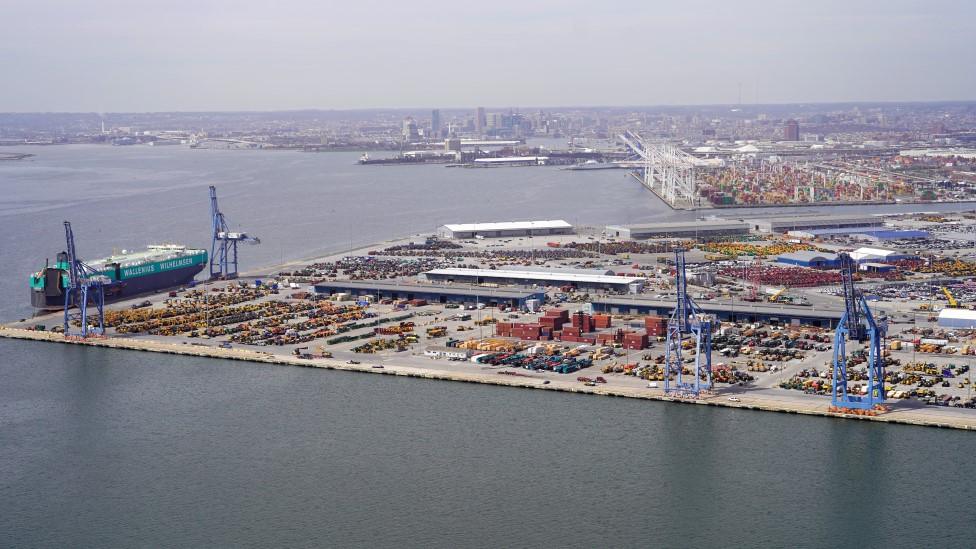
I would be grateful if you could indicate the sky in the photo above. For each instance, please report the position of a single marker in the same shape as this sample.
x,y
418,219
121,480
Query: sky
x,y
199,55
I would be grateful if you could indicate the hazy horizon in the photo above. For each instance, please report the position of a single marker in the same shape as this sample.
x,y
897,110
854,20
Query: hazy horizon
x,y
520,108
246,56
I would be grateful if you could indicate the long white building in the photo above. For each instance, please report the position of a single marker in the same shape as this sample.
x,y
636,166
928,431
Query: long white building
x,y
550,277
505,229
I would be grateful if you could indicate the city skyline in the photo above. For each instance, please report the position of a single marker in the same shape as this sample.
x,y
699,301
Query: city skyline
x,y
241,56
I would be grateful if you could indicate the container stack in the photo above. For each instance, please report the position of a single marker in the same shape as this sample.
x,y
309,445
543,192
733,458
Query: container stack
x,y
655,326
635,341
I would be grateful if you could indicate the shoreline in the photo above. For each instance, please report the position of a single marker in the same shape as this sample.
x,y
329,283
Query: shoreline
x,y
928,417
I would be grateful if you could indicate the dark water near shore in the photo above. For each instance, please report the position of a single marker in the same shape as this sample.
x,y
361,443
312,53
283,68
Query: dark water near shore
x,y
107,448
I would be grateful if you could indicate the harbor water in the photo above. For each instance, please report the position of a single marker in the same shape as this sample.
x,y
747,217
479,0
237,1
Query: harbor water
x,y
109,448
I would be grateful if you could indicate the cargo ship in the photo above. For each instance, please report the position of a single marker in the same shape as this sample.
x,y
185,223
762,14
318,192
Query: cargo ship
x,y
132,273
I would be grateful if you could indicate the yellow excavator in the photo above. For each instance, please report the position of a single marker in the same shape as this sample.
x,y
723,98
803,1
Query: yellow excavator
x,y
953,304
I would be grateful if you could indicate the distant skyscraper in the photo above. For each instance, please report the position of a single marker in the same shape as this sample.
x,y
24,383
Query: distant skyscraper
x,y
410,129
479,121
435,123
494,121
791,132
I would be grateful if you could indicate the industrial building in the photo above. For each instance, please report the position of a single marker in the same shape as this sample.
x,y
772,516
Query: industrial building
x,y
798,223
878,255
692,229
812,259
880,236
724,310
505,229
461,295
959,319
873,235
871,267
791,131
551,277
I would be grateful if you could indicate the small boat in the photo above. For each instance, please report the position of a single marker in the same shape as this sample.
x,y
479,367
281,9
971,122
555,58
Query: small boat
x,y
377,365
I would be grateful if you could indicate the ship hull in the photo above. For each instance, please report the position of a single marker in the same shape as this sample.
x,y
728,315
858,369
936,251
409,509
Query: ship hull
x,y
125,288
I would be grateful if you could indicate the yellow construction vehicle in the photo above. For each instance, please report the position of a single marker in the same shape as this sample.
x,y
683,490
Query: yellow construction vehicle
x,y
777,294
952,300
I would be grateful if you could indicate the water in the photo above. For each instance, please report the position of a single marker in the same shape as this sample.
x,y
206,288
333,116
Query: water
x,y
109,448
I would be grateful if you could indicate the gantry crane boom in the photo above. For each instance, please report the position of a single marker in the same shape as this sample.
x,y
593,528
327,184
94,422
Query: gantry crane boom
x,y
223,247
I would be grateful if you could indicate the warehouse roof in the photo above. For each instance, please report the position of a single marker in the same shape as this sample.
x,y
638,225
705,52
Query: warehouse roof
x,y
808,255
563,270
957,317
865,253
714,305
509,226
832,231
893,234
554,276
409,286
799,220
682,225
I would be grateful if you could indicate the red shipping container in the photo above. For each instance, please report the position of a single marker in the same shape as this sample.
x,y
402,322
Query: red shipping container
x,y
653,322
635,341
558,313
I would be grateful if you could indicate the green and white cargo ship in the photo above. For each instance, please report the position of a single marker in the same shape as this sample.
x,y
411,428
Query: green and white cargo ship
x,y
157,268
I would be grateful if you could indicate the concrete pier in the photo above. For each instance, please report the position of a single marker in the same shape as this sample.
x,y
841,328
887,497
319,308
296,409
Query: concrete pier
x,y
785,402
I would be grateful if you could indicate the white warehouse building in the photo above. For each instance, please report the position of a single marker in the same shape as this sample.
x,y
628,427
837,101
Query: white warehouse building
x,y
959,319
505,229
550,277
862,255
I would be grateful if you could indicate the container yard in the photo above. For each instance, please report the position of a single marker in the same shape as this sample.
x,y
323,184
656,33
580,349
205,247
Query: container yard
x,y
546,311
761,175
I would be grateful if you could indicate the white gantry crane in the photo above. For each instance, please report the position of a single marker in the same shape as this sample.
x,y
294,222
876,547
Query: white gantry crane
x,y
668,171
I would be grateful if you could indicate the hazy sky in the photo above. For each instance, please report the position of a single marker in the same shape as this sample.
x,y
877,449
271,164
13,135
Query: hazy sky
x,y
135,55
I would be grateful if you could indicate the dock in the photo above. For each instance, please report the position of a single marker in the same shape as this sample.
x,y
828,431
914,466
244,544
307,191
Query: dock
x,y
782,403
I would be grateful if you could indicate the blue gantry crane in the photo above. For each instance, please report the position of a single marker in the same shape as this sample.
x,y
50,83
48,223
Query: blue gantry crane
x,y
86,287
223,248
687,319
857,324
